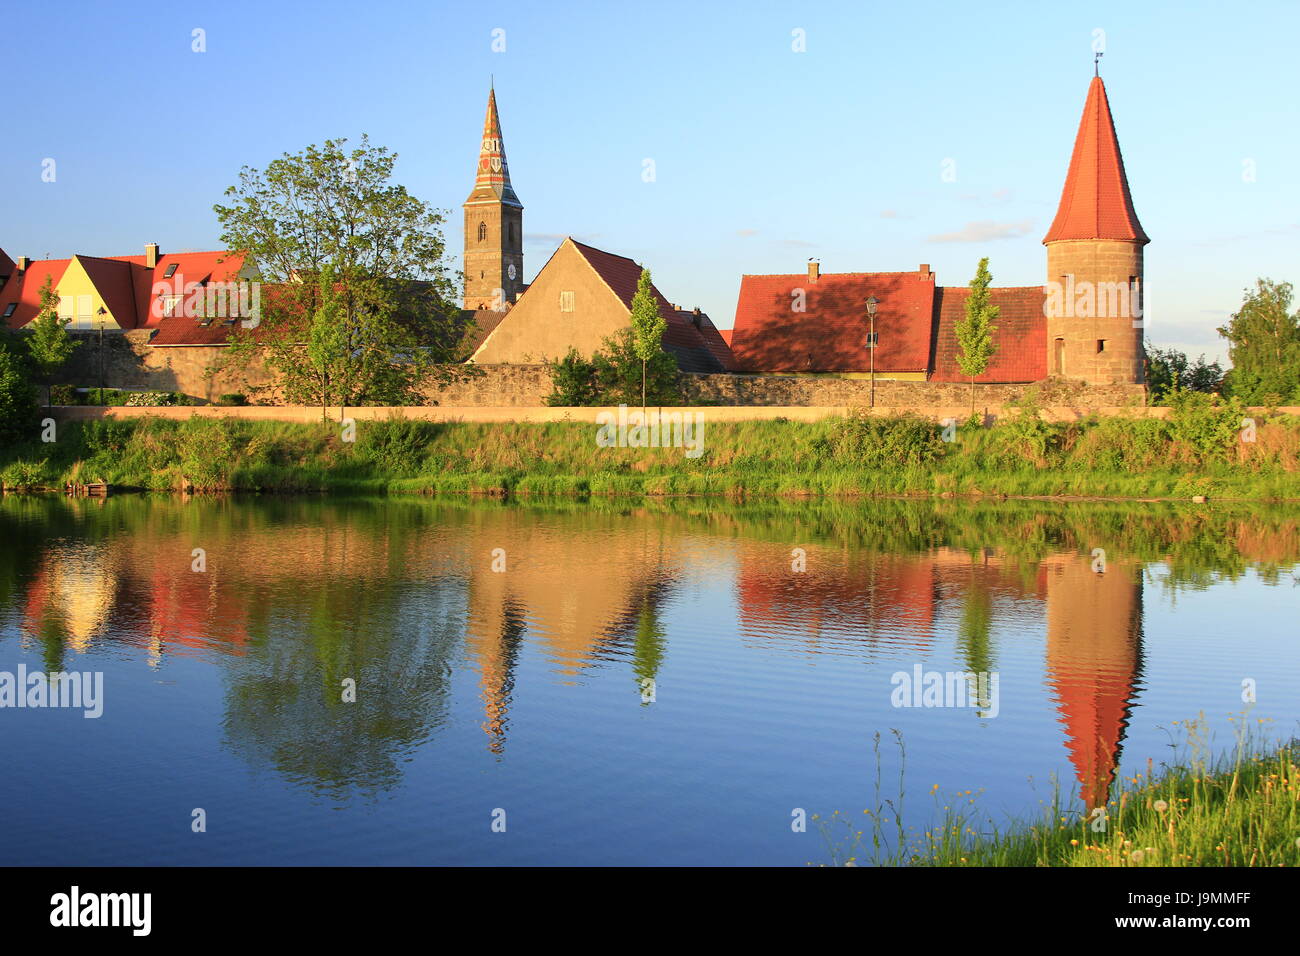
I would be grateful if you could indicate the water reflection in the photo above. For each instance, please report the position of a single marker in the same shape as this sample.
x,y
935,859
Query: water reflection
x,y
300,597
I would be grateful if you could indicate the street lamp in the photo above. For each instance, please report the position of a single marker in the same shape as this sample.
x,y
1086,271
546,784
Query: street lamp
x,y
99,315
871,344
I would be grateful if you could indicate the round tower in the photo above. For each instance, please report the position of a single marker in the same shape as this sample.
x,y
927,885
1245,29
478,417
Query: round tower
x,y
1094,261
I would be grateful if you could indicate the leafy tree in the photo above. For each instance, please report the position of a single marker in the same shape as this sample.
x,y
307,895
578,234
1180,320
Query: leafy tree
x,y
1170,369
330,218
622,371
975,331
48,342
648,327
17,403
1264,346
573,381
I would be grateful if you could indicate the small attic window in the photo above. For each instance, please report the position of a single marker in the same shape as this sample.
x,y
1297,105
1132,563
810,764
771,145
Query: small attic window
x,y
9,309
171,270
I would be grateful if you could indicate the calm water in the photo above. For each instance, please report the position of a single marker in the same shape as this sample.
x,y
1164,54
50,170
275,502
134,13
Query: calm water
x,y
529,688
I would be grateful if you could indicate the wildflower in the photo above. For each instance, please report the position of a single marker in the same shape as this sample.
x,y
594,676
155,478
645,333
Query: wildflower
x,y
1074,843
1137,856
1160,806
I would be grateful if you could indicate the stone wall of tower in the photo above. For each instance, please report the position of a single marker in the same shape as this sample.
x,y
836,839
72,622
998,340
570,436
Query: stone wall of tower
x,y
488,260
1074,347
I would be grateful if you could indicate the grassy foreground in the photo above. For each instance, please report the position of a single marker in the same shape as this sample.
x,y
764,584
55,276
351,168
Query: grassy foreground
x,y
1241,810
1197,453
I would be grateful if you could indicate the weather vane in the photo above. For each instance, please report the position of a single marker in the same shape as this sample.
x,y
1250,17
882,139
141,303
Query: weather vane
x,y
1096,63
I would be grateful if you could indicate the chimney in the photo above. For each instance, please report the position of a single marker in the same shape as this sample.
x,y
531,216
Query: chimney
x,y
23,263
151,255
814,270
924,269
695,316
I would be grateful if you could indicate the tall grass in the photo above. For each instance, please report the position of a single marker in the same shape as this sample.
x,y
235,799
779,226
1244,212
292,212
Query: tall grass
x,y
1239,809
1194,453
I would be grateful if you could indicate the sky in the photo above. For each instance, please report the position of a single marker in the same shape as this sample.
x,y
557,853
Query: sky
x,y
763,154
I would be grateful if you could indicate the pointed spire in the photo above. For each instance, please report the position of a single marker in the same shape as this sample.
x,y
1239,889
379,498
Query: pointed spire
x,y
1095,203
493,181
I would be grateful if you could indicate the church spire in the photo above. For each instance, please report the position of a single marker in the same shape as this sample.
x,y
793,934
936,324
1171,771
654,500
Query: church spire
x,y
493,180
1095,203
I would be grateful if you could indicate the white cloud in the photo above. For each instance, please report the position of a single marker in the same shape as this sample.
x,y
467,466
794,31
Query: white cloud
x,y
985,230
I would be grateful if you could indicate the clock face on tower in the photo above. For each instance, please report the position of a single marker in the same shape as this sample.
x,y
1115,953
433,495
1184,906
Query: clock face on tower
x,y
510,271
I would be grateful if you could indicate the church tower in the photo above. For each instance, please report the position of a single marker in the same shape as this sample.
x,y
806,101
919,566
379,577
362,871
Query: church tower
x,y
1094,261
494,225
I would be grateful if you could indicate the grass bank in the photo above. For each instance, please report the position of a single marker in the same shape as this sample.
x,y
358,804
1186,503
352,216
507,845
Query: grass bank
x,y
1199,451
1242,809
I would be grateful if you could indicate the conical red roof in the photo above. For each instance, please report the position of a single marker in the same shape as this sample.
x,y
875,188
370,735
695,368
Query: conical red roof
x,y
1095,203
493,180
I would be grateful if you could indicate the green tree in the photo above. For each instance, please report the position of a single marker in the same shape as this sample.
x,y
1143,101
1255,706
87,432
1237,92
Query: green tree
x,y
621,373
975,331
573,381
1170,369
48,342
336,213
648,327
1264,346
17,403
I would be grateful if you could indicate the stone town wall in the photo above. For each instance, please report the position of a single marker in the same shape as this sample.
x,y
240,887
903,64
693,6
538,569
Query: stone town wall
x,y
131,363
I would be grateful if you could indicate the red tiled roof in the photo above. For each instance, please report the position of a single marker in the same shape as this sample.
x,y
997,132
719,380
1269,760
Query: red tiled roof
x,y
696,350
1021,335
185,330
25,290
112,279
831,334
191,267
726,335
123,282
1095,203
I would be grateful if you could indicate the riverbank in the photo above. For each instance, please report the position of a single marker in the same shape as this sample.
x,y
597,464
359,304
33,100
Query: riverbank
x,y
1196,451
1241,810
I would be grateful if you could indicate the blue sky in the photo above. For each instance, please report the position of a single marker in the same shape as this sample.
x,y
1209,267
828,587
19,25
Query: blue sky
x,y
763,156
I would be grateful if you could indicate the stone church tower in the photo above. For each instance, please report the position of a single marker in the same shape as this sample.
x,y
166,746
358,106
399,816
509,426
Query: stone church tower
x,y
494,226
1094,261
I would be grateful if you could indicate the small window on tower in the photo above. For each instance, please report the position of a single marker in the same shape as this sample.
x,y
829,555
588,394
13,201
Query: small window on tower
x,y
1101,346
171,270
566,301
482,231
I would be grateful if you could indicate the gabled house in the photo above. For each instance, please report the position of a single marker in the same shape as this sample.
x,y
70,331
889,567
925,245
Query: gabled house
x,y
582,296
115,293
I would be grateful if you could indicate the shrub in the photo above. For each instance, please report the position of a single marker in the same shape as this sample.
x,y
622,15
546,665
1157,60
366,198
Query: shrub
x,y
24,474
573,381
1205,425
63,395
397,446
17,401
233,398
1122,443
1024,435
882,442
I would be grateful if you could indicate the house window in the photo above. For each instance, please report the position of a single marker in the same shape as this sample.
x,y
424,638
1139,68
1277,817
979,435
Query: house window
x,y
482,231
1101,346
67,307
566,301
9,309
169,304
171,270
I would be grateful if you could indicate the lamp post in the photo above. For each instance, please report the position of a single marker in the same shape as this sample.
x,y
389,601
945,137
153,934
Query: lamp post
x,y
871,344
99,316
